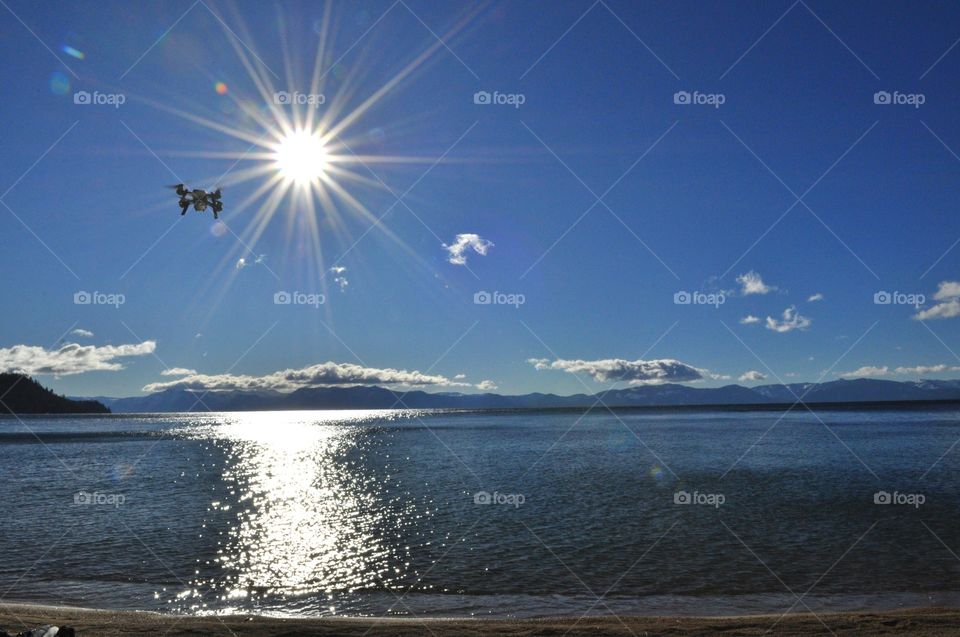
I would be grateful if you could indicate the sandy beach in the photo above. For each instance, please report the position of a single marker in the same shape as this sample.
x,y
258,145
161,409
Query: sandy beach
x,y
101,623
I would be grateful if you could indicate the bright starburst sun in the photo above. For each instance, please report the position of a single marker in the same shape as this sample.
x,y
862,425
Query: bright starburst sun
x,y
301,157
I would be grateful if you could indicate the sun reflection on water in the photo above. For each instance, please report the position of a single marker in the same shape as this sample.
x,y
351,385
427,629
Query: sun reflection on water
x,y
307,519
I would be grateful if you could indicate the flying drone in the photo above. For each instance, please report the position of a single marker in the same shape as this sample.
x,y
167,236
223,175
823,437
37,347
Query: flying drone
x,y
199,199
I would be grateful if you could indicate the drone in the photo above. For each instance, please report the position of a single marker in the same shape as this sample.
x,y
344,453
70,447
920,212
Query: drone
x,y
199,199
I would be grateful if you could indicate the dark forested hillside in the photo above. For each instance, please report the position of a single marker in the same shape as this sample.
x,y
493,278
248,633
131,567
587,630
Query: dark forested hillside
x,y
21,394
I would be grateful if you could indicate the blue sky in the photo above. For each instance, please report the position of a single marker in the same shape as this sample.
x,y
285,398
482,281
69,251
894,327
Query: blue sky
x,y
693,195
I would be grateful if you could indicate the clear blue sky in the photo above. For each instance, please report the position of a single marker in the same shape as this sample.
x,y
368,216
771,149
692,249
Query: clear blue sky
x,y
878,183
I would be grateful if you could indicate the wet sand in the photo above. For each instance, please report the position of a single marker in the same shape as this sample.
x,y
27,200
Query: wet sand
x,y
100,623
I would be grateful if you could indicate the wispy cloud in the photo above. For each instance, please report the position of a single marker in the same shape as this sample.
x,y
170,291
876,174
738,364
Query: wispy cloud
x,y
458,250
340,277
792,320
752,283
619,370
69,359
866,371
948,295
752,376
82,333
749,319
920,370
178,371
244,262
813,298
947,290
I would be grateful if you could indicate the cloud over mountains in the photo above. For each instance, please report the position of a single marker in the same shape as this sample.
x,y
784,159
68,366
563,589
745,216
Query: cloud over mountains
x,y
319,375
666,370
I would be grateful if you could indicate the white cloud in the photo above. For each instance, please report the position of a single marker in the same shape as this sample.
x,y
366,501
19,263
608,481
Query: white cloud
x,y
752,376
948,293
752,283
70,358
815,297
947,309
82,332
486,385
867,371
749,319
459,377
463,244
178,371
707,373
340,279
619,370
322,374
947,290
243,262
792,320
920,370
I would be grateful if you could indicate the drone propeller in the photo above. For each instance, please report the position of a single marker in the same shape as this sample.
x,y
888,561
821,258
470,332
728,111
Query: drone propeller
x,y
173,186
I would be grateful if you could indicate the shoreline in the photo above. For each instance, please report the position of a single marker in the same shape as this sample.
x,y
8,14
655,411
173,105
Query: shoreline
x,y
934,621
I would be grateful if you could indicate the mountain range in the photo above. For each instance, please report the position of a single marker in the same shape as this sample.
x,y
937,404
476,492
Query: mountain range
x,y
666,395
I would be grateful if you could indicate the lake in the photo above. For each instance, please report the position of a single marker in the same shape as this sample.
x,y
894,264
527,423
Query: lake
x,y
498,514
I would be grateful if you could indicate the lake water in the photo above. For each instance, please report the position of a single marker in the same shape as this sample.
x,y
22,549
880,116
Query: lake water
x,y
385,513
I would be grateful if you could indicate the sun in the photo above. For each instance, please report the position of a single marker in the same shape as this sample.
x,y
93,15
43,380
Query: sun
x,y
301,157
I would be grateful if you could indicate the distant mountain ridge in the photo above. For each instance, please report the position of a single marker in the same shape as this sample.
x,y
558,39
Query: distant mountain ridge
x,y
666,395
23,395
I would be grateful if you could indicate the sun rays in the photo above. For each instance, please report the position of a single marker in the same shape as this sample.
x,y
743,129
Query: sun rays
x,y
295,148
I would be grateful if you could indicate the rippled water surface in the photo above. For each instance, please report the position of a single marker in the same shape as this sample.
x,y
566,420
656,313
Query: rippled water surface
x,y
376,512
